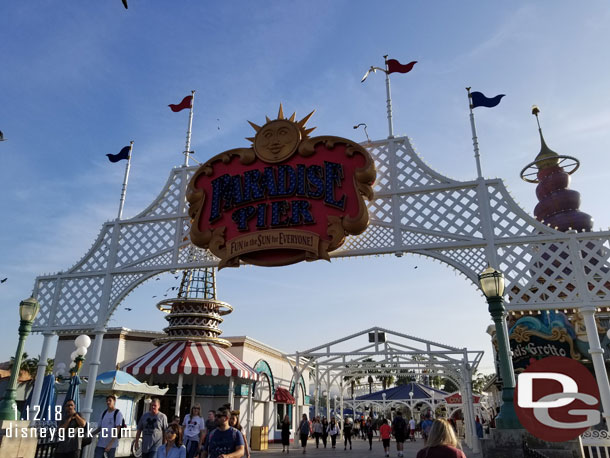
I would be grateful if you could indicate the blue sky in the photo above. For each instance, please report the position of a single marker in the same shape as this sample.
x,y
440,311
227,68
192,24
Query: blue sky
x,y
78,82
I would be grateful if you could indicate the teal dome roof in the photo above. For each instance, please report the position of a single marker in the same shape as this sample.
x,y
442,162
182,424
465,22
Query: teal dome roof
x,y
120,377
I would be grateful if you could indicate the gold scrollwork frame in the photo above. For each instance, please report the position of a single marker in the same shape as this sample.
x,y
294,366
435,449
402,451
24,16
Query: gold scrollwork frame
x,y
339,227
522,334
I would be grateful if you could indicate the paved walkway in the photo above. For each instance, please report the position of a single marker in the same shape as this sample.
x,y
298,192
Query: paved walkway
x,y
360,449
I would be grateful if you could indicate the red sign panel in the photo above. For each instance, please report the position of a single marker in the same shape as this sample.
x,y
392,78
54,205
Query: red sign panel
x,y
456,398
286,199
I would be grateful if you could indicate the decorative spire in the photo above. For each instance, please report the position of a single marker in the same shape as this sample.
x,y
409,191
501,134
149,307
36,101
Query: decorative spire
x,y
546,157
195,314
558,206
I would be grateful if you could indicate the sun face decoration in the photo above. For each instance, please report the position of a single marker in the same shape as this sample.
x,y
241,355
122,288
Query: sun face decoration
x,y
278,139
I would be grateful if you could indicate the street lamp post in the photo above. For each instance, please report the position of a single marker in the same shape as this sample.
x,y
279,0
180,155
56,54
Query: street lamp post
x,y
28,309
492,285
411,403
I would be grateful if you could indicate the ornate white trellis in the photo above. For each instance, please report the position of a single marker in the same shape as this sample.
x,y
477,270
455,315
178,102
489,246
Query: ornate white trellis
x,y
387,352
465,224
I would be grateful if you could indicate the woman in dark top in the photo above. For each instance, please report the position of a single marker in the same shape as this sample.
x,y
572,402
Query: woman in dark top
x,y
347,433
286,434
442,442
324,431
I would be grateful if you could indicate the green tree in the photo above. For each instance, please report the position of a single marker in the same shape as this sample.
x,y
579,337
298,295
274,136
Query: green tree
x,y
480,380
449,385
405,376
386,378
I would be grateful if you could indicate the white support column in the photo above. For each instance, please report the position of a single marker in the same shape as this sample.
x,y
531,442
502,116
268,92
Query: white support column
x,y
471,420
328,395
42,367
231,396
194,393
295,413
588,313
93,368
597,357
179,394
316,394
250,411
341,403
465,413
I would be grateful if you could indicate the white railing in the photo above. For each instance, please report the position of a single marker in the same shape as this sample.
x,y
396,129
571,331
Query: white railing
x,y
596,444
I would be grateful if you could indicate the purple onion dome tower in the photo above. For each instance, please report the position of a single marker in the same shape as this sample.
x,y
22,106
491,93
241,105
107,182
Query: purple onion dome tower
x,y
558,205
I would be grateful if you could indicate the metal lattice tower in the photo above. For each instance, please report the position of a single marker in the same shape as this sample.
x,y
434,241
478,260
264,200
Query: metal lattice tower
x,y
198,283
195,315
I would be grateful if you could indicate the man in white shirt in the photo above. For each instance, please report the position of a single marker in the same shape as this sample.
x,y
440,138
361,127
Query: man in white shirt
x,y
109,429
412,429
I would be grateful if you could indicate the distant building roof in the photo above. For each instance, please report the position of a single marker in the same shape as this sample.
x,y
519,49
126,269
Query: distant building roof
x,y
401,392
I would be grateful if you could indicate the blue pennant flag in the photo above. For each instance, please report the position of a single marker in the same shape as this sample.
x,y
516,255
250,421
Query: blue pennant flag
x,y
479,100
123,154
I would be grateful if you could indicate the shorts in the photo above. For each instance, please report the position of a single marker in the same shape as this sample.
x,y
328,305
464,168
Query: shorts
x,y
400,438
386,443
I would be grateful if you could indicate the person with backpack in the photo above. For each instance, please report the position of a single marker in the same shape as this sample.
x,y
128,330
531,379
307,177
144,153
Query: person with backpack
x,y
304,431
399,429
192,426
110,429
224,441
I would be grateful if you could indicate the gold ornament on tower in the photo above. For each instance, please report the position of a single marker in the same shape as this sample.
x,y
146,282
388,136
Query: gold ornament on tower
x,y
279,138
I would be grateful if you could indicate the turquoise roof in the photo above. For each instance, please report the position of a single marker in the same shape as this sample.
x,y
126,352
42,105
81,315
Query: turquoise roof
x,y
120,376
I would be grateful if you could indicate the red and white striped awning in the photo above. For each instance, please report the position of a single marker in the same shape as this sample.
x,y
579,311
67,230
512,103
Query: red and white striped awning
x,y
190,358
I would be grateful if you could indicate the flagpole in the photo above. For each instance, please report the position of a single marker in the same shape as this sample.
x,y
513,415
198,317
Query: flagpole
x,y
188,132
124,190
475,141
389,99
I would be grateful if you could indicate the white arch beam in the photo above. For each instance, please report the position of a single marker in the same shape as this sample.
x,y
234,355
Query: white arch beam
x,y
465,224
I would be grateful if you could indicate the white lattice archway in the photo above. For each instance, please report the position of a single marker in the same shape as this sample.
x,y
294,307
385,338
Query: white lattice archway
x,y
465,224
384,352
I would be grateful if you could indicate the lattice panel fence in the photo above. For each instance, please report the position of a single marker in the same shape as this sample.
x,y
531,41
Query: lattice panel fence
x,y
452,212
416,209
79,301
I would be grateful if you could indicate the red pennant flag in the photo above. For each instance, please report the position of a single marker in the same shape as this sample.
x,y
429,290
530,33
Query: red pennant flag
x,y
396,67
186,103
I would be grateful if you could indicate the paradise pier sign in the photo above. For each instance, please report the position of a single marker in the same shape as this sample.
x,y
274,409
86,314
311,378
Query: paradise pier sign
x,y
286,199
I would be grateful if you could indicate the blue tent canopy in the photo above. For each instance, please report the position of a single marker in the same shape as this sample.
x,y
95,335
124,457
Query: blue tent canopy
x,y
48,400
74,392
401,392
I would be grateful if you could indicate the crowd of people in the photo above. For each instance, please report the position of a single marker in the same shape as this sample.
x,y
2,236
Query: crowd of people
x,y
220,435
440,439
